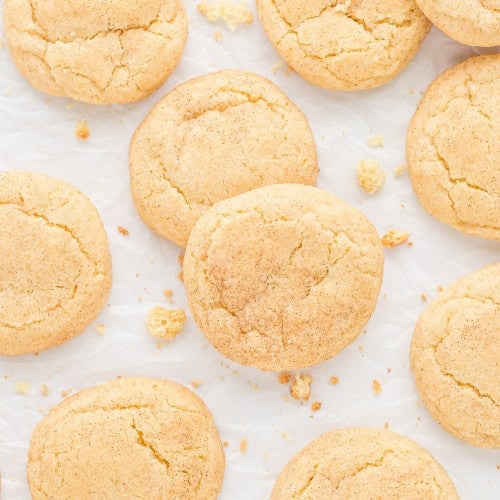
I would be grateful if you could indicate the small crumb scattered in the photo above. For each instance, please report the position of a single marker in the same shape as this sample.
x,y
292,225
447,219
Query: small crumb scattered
x,y
386,425
168,294
439,288
123,231
370,176
423,297
301,387
375,141
231,12
165,323
316,406
400,170
180,259
361,348
23,387
410,243
218,36
334,380
181,276
100,329
196,383
377,388
66,392
44,390
243,445
284,377
389,370
82,130
225,444
394,238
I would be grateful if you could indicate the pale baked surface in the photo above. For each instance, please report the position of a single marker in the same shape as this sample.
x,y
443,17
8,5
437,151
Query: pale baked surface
x,y
282,277
346,44
472,22
97,51
453,147
129,438
454,357
55,272
211,138
363,463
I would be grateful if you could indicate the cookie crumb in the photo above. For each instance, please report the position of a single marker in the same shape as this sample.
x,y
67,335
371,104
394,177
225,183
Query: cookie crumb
x,y
225,444
196,383
82,130
375,141
386,425
284,378
180,259
439,288
400,170
370,176
23,387
334,380
218,36
423,297
100,329
231,12
377,388
44,390
181,276
316,406
301,387
394,238
168,295
243,445
123,231
66,392
165,323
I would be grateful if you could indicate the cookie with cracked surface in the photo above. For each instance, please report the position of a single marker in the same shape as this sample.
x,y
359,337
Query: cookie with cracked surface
x,y
211,138
97,51
282,277
475,22
363,463
453,147
454,357
129,438
345,44
55,266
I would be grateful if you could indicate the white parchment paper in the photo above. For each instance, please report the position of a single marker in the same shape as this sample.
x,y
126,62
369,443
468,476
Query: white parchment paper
x,y
37,133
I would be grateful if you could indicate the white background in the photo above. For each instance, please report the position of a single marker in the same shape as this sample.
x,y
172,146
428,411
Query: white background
x,y
37,133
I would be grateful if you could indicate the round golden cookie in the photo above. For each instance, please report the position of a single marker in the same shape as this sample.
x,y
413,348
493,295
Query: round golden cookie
x,y
97,51
55,266
472,22
211,138
453,147
129,438
363,463
282,277
455,360
347,44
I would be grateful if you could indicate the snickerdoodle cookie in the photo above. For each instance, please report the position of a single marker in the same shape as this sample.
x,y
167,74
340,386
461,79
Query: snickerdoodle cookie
x,y
472,22
282,277
455,361
211,138
97,51
363,463
345,44
55,266
129,438
453,147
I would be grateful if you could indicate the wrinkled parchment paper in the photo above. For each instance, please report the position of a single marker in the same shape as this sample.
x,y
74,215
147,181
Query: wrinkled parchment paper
x,y
38,133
